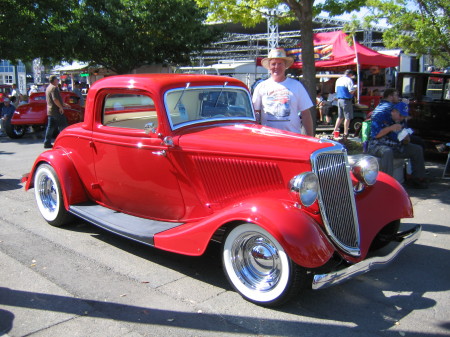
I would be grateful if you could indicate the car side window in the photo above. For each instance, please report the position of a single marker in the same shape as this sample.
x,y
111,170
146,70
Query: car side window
x,y
447,90
130,111
434,88
408,86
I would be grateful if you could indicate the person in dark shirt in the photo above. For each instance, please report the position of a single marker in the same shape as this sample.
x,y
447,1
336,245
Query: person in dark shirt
x,y
385,143
55,111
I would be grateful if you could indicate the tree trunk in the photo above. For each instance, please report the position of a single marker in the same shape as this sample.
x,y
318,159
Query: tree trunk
x,y
303,10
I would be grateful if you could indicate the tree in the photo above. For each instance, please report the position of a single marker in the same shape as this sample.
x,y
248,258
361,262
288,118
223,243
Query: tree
x,y
31,29
418,26
118,34
124,34
250,12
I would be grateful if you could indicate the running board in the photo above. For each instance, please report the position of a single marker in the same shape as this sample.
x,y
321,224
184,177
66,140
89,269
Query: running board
x,y
132,227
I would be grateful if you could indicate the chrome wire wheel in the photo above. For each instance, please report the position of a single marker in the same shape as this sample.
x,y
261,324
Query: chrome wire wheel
x,y
48,194
257,265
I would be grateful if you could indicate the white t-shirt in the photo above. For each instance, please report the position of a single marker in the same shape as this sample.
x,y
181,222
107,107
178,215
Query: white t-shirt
x,y
281,103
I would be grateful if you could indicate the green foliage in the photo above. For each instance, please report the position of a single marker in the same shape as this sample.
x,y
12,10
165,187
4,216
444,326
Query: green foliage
x,y
338,7
118,34
246,12
33,28
421,27
251,12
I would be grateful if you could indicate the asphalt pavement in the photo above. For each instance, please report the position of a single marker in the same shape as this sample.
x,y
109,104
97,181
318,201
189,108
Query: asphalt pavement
x,y
82,281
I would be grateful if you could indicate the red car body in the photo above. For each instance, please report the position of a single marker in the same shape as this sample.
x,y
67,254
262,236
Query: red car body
x,y
5,91
175,161
34,113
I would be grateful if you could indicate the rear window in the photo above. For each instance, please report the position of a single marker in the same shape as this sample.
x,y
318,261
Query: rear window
x,y
130,111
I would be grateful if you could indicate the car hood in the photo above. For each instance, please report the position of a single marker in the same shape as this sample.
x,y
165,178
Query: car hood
x,y
250,140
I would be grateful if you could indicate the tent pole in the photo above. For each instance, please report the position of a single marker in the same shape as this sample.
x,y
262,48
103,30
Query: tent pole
x,y
357,69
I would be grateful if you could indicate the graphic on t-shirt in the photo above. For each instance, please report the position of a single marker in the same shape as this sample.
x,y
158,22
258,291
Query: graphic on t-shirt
x,y
277,103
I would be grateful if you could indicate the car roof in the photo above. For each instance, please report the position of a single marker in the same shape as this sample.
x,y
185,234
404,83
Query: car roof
x,y
163,82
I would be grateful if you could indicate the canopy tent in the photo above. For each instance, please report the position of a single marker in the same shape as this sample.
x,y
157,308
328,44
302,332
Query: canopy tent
x,y
333,50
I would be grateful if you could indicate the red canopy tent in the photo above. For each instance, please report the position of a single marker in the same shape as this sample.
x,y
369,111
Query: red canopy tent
x,y
333,50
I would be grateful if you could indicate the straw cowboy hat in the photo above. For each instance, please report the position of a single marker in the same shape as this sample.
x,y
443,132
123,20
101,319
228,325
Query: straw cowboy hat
x,y
278,53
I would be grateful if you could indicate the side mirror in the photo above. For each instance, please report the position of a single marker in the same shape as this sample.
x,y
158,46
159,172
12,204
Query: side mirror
x,y
168,141
149,128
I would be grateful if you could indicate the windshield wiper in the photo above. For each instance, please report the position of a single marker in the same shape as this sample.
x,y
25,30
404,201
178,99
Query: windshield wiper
x,y
220,93
179,99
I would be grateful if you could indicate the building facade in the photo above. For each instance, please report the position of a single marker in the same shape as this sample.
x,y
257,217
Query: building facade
x,y
10,73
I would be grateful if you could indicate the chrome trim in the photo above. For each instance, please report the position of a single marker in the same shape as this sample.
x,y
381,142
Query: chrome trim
x,y
322,281
337,197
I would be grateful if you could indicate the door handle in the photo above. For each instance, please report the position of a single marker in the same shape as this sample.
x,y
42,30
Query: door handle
x,y
160,153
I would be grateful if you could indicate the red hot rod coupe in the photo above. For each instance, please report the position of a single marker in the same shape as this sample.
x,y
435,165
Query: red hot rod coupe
x,y
34,113
176,161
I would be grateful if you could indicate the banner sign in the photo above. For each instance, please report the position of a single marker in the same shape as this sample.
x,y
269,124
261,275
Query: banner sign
x,y
322,52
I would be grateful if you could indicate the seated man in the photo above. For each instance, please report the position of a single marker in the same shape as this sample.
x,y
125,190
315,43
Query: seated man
x,y
384,141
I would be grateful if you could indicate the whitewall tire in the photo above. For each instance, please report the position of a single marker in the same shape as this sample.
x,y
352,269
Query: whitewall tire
x,y
49,197
258,267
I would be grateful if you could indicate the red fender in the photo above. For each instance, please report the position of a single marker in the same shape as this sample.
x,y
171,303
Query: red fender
x,y
72,188
380,204
295,230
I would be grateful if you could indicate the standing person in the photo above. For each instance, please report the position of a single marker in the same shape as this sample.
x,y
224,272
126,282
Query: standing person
x,y
282,102
15,93
384,142
33,89
55,111
345,89
77,90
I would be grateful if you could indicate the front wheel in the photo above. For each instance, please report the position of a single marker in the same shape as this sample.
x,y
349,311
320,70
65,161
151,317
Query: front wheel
x,y
49,196
385,236
258,267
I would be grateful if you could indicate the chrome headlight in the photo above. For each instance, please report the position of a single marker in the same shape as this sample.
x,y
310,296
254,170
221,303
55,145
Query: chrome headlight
x,y
366,170
306,185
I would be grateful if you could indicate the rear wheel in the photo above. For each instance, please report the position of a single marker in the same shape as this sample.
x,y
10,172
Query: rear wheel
x,y
14,131
49,196
258,267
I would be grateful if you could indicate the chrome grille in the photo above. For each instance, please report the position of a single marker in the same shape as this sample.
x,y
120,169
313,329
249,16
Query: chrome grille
x,y
336,199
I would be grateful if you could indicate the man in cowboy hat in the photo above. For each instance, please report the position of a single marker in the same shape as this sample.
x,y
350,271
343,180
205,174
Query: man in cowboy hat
x,y
282,102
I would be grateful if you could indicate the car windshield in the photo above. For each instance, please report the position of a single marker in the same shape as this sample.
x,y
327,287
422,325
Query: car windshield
x,y
187,106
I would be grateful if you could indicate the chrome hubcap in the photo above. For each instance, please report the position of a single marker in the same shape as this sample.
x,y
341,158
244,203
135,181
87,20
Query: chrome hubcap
x,y
47,193
256,261
19,130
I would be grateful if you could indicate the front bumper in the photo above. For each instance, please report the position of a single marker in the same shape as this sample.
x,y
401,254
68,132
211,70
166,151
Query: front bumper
x,y
321,281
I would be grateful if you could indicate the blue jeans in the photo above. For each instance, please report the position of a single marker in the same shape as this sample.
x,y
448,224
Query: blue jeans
x,y
54,122
387,154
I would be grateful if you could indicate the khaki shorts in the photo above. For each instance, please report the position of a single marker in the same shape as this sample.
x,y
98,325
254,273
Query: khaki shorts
x,y
345,108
